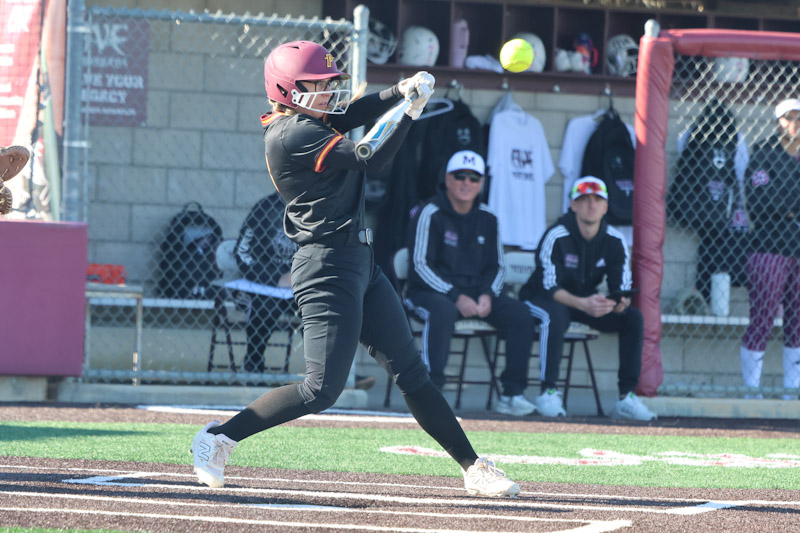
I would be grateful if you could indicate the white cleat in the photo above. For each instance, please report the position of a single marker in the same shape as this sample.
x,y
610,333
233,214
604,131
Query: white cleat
x,y
485,479
515,405
631,407
211,452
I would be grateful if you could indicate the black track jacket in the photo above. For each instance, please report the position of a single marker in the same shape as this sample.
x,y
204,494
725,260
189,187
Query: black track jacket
x,y
455,254
565,260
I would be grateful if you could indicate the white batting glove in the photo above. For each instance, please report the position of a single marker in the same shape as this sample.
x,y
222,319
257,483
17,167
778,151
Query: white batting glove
x,y
409,85
424,92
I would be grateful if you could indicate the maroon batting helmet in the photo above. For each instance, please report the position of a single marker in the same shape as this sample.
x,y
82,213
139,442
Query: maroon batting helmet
x,y
297,61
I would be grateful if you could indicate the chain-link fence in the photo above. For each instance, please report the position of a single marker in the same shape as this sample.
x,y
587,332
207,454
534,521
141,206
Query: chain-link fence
x,y
174,166
732,255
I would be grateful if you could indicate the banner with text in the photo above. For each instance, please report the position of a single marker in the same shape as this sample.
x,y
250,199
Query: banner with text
x,y
115,72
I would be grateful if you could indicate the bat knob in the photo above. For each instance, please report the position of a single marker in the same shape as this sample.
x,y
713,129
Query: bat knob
x,y
363,151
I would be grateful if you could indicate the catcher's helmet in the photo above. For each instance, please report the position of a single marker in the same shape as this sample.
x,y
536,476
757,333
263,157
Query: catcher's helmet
x,y
622,55
382,42
419,47
730,69
303,61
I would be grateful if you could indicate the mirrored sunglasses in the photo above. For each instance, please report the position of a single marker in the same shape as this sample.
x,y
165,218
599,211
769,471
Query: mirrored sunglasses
x,y
589,187
461,176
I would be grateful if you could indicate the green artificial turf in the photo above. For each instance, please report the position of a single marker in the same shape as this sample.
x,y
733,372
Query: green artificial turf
x,y
357,450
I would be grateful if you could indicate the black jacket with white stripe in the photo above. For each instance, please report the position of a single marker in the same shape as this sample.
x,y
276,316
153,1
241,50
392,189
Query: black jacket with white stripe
x,y
565,260
455,254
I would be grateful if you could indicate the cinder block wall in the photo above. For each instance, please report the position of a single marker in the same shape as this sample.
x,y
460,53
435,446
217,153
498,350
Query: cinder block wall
x,y
198,128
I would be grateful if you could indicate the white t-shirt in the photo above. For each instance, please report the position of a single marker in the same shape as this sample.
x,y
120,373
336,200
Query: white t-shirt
x,y
520,165
576,137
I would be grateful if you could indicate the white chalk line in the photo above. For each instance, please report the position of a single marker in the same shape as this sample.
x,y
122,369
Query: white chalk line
x,y
320,508
515,504
226,520
127,474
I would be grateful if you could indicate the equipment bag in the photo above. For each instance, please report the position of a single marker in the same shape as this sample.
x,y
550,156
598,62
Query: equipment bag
x,y
187,261
609,156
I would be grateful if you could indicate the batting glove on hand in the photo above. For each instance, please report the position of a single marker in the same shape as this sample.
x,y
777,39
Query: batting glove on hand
x,y
410,85
424,93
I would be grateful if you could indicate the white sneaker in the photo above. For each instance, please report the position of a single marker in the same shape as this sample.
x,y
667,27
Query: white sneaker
x,y
549,403
210,455
632,407
485,479
514,405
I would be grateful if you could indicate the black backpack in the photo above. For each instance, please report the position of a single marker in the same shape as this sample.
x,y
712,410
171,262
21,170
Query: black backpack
x,y
188,254
609,156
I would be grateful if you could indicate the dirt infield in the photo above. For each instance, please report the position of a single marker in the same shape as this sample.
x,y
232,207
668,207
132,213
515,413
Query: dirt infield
x,y
131,496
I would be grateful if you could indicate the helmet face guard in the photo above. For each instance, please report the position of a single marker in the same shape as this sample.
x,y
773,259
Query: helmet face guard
x,y
338,99
307,61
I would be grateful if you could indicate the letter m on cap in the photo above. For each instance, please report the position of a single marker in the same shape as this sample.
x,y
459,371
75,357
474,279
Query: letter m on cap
x,y
468,160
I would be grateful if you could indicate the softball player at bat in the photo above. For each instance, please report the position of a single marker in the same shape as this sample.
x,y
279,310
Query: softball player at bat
x,y
343,297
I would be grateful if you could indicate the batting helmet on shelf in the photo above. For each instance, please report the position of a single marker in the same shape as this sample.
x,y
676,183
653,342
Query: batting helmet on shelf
x,y
419,47
539,52
303,61
622,55
382,42
730,69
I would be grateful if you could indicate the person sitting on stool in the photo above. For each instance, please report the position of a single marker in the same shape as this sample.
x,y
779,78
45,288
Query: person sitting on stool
x,y
573,257
457,271
264,255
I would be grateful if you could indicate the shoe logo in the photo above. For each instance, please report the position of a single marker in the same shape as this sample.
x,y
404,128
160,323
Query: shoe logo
x,y
205,451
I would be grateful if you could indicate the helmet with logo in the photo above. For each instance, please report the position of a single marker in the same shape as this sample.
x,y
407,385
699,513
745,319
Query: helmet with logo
x,y
622,55
303,61
419,47
730,69
382,42
539,52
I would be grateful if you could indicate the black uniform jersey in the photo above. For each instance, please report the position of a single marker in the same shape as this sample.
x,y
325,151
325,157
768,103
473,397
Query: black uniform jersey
x,y
315,169
565,260
456,254
772,189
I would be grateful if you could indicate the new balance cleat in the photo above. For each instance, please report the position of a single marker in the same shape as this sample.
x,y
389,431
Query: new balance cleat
x,y
211,452
484,479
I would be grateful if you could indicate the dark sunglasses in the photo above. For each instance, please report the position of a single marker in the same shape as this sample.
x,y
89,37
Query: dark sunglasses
x,y
461,176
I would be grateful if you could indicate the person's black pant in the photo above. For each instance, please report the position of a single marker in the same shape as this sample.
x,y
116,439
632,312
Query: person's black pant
x,y
345,298
262,321
509,316
629,324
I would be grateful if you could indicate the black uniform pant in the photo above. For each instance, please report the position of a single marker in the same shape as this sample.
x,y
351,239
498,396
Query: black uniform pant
x,y
262,321
345,298
509,316
629,324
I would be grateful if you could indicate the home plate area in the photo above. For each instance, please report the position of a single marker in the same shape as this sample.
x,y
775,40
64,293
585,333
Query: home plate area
x,y
82,494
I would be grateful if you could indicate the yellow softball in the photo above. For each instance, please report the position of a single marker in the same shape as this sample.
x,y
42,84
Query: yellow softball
x,y
516,55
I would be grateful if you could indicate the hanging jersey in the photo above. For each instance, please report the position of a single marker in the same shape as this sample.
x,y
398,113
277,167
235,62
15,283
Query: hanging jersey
x,y
576,137
520,165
